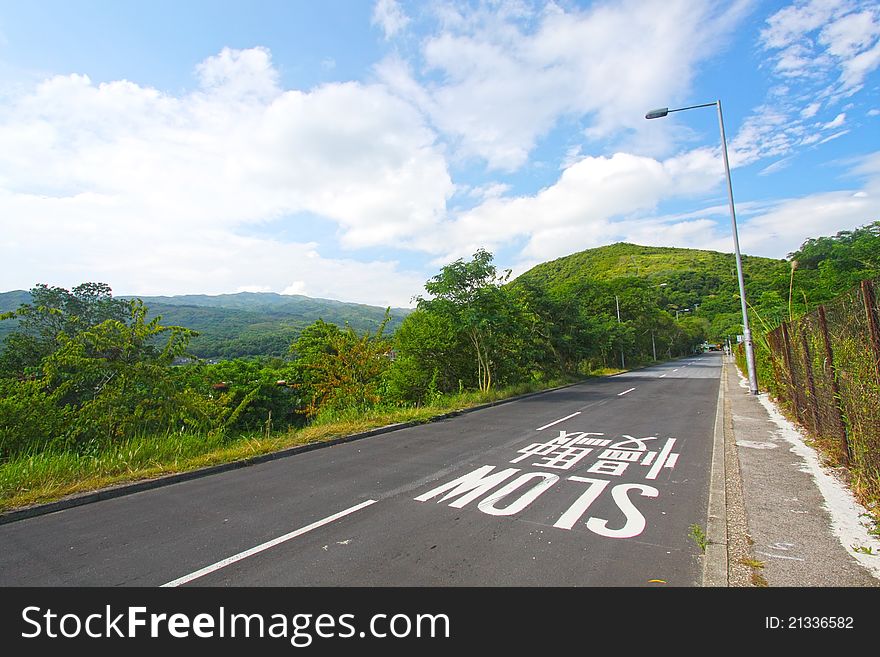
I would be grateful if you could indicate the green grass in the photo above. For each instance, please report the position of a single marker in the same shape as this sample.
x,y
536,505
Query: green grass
x,y
51,475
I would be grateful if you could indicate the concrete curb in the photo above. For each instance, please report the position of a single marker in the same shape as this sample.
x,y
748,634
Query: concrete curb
x,y
120,490
715,564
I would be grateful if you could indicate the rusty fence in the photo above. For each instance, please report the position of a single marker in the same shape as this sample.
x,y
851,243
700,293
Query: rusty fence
x,y
824,370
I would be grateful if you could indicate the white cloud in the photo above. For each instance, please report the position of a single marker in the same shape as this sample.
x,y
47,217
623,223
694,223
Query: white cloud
x,y
778,165
600,200
589,205
810,110
789,24
497,80
834,136
836,122
784,229
388,15
820,39
239,74
297,287
822,51
780,227
131,184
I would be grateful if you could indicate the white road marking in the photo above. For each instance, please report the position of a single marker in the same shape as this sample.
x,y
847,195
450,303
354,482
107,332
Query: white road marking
x,y
661,461
562,419
662,375
779,556
265,546
621,394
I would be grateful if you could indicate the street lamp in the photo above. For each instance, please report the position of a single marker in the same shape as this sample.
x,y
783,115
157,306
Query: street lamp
x,y
653,345
747,334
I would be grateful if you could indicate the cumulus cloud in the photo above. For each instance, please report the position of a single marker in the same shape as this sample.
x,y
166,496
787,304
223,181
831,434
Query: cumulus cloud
x,y
134,184
589,205
600,200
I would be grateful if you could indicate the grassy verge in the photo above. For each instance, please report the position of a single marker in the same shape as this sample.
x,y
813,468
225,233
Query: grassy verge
x,y
47,476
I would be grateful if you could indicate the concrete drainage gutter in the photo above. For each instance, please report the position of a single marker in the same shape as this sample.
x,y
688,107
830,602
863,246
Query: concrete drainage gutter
x,y
715,564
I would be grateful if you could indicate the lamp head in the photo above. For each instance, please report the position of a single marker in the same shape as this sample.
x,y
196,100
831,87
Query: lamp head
x,y
657,113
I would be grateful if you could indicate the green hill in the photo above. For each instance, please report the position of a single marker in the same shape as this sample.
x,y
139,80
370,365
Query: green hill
x,y
702,283
651,262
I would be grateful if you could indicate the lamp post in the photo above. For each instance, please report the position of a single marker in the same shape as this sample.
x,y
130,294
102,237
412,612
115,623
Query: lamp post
x,y
622,361
747,334
653,345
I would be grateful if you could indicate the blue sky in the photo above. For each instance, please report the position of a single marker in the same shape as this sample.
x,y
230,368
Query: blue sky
x,y
348,150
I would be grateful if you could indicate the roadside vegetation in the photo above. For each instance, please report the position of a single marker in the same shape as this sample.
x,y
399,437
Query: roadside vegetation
x,y
822,364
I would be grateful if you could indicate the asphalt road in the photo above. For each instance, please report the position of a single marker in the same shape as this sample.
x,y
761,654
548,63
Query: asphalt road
x,y
596,484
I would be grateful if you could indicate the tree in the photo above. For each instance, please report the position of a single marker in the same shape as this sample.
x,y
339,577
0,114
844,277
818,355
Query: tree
x,y
117,376
565,332
828,266
342,370
469,297
53,315
429,358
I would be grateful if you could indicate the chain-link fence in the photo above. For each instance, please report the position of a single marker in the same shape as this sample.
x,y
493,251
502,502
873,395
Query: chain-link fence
x,y
824,369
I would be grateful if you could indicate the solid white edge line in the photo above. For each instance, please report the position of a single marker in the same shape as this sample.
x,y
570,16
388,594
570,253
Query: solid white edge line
x,y
621,394
562,419
265,546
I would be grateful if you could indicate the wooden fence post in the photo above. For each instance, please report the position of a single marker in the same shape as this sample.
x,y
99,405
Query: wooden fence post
x,y
835,389
792,380
873,329
811,386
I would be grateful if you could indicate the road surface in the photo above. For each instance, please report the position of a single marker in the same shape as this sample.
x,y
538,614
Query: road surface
x,y
597,484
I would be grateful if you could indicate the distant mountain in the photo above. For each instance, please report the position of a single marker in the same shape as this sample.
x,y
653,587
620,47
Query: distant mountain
x,y
12,300
244,324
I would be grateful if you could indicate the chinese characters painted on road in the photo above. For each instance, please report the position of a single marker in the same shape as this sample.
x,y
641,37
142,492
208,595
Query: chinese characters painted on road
x,y
508,491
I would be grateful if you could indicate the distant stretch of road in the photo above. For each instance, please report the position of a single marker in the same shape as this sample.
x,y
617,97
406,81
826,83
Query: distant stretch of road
x,y
596,484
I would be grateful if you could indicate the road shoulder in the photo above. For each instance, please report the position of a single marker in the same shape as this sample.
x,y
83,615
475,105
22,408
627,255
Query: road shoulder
x,y
791,522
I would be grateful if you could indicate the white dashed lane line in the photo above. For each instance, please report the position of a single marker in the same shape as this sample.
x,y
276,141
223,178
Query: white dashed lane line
x,y
621,394
562,419
265,546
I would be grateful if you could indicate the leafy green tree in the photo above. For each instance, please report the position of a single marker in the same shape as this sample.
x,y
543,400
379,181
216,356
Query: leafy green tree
x,y
31,418
256,393
429,358
470,298
342,370
117,376
564,327
53,315
825,267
